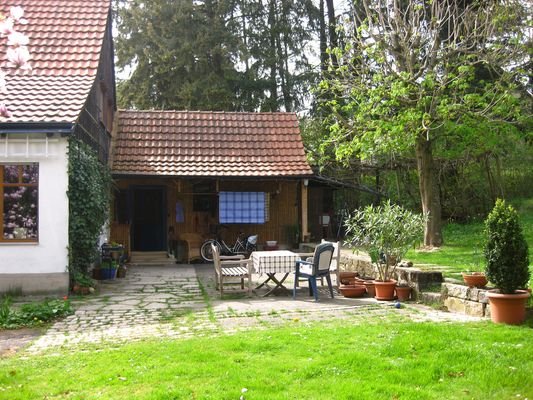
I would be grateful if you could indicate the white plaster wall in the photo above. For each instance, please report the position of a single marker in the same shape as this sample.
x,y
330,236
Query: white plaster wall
x,y
50,254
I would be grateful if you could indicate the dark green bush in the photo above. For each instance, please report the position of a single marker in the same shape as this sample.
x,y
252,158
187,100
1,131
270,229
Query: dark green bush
x,y
506,250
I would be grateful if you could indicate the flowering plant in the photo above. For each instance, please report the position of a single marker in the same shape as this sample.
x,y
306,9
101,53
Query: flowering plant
x,y
18,55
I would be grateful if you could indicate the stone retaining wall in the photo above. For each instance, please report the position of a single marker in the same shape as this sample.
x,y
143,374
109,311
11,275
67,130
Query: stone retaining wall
x,y
414,277
465,300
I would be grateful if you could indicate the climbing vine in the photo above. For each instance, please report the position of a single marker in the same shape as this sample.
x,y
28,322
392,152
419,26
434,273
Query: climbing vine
x,y
89,200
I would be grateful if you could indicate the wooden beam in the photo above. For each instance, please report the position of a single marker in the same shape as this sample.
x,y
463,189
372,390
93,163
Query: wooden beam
x,y
305,208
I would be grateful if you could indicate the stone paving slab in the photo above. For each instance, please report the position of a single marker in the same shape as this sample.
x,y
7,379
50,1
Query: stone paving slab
x,y
167,301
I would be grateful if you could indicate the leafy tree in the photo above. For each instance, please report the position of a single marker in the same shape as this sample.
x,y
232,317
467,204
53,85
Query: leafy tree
x,y
415,74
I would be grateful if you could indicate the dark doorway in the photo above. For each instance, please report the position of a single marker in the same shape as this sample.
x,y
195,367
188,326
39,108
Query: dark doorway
x,y
149,223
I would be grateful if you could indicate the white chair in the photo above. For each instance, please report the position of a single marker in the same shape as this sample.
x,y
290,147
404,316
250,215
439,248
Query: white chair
x,y
227,268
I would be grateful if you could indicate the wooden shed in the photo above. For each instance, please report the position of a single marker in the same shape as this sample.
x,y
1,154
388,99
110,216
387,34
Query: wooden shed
x,y
183,174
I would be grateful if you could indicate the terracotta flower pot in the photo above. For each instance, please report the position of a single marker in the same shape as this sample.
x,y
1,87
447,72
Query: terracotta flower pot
x,y
370,288
475,279
508,308
385,289
352,290
403,293
345,277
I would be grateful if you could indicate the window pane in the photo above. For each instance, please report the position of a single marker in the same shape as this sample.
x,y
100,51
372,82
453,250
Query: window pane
x,y
11,173
20,213
30,173
242,207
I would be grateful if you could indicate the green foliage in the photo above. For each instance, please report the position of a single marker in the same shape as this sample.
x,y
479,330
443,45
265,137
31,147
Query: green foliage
x,y
89,201
386,232
229,55
506,250
83,280
32,314
399,85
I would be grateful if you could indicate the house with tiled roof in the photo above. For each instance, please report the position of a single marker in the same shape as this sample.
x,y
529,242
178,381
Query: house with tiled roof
x,y
178,174
188,172
69,92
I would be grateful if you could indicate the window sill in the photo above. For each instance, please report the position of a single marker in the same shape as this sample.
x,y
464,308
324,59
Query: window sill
x,y
18,243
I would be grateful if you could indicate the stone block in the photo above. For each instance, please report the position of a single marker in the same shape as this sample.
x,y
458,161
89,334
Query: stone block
x,y
472,308
429,297
458,291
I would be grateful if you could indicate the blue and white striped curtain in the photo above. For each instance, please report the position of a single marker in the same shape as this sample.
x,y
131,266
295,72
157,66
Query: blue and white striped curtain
x,y
241,207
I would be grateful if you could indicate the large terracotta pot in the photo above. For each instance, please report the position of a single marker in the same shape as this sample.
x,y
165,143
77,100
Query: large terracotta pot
x,y
385,289
475,279
508,308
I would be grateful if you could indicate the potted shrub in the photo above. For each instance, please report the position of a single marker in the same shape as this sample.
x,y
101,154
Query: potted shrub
x,y
506,254
386,233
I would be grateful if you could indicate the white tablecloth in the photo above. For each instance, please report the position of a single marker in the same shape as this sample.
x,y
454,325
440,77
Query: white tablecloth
x,y
278,261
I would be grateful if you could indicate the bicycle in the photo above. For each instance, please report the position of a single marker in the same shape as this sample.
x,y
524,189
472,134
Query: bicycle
x,y
244,245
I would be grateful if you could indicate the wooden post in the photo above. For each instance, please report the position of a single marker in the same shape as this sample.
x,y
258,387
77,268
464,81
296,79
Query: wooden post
x,y
305,227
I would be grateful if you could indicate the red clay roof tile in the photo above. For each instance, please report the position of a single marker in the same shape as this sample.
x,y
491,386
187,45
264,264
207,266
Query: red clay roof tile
x,y
66,38
185,143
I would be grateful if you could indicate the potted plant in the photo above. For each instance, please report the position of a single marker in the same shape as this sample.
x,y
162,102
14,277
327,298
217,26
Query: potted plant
x,y
507,257
474,279
386,233
82,284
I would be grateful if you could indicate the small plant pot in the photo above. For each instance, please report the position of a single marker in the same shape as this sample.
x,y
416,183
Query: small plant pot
x,y
346,277
81,290
370,288
108,273
121,272
475,279
385,289
403,293
97,273
352,290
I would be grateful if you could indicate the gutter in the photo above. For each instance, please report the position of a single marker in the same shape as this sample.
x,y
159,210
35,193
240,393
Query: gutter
x,y
63,128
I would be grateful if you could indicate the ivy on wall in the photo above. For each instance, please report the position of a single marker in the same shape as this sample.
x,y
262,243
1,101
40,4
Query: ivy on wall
x,y
89,201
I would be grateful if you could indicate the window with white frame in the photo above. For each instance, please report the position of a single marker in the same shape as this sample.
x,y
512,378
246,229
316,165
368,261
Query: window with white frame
x,y
19,190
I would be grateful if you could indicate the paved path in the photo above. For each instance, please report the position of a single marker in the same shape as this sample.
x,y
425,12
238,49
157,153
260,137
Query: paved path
x,y
179,301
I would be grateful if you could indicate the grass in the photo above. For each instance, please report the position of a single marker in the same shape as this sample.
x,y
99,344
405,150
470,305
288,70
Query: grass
x,y
337,360
463,244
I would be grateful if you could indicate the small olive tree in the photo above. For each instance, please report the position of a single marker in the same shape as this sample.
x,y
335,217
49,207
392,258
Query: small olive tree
x,y
506,249
386,233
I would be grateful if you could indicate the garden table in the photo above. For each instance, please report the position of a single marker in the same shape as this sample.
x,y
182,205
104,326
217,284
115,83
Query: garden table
x,y
272,263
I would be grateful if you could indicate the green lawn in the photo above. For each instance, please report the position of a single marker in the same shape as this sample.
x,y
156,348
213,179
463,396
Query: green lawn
x,y
380,360
463,244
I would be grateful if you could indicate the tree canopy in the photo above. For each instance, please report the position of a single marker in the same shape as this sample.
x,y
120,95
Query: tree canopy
x,y
416,76
236,55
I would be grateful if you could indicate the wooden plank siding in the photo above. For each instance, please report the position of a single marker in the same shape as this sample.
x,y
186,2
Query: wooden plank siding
x,y
284,210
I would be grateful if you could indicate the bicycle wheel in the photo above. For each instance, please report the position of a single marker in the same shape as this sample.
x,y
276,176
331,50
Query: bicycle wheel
x,y
206,252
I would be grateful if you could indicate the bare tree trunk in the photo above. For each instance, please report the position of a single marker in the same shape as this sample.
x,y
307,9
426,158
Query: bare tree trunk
x,y
323,39
332,30
429,193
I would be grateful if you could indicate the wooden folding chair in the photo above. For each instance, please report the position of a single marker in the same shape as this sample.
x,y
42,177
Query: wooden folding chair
x,y
227,268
